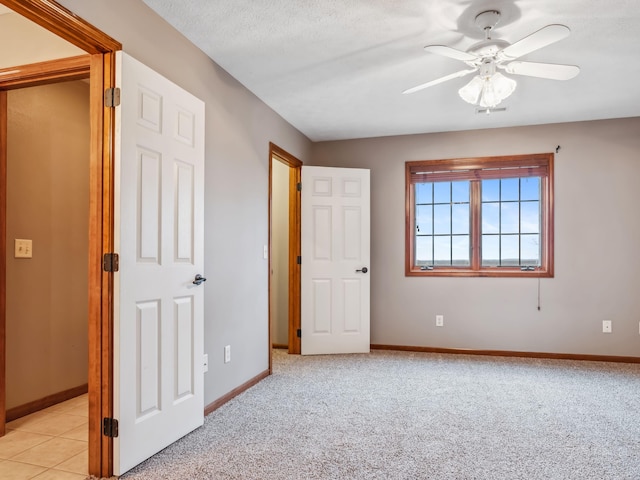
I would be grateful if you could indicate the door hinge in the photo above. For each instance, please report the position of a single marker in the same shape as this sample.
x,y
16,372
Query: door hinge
x,y
299,186
111,262
299,333
299,260
112,97
110,427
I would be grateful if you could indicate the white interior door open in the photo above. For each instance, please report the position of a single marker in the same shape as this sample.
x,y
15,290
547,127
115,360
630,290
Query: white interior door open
x,y
158,328
335,268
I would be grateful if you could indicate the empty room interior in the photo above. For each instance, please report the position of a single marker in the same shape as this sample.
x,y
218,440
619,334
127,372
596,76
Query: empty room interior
x,y
363,239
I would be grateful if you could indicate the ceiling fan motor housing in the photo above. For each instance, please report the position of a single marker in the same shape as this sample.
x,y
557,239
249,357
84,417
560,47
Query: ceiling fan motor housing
x,y
487,48
487,21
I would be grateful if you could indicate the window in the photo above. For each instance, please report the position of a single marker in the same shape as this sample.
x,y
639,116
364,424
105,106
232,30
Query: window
x,y
481,217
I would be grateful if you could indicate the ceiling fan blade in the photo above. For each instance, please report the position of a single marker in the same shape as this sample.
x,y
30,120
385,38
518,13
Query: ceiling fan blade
x,y
543,70
445,51
543,37
451,76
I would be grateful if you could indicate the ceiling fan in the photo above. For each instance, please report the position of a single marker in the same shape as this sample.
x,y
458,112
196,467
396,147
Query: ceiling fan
x,y
490,87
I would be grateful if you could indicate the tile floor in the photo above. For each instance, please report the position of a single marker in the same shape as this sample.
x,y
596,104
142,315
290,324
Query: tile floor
x,y
51,444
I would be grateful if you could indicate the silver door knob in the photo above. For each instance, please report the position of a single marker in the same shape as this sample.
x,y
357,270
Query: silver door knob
x,y
199,279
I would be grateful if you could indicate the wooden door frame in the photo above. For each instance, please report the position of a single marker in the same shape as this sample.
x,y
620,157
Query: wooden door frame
x,y
100,66
277,153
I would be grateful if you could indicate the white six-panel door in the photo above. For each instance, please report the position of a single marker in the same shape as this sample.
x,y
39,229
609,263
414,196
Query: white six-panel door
x,y
158,332
335,268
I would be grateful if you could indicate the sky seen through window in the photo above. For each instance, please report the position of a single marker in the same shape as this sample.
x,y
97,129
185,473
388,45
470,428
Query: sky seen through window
x,y
510,222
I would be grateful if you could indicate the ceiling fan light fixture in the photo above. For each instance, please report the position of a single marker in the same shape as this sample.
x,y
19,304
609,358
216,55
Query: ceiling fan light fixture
x,y
470,93
487,91
496,89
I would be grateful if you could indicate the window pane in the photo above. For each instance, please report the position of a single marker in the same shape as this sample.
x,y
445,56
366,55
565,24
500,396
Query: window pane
x,y
460,248
442,247
530,217
509,251
424,192
509,189
424,251
530,188
442,219
490,190
490,218
490,250
530,248
460,191
460,218
509,217
424,224
442,192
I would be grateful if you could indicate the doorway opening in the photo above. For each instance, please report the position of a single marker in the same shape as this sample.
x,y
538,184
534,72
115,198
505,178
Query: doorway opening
x,y
99,65
284,247
47,215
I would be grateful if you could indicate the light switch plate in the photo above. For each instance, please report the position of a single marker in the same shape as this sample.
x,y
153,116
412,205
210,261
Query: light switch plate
x,y
23,248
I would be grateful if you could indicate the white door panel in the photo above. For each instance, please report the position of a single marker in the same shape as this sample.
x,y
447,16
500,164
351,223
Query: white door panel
x,y
335,248
159,382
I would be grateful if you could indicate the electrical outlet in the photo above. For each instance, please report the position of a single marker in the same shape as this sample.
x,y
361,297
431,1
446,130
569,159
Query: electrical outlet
x,y
439,320
227,354
205,363
606,326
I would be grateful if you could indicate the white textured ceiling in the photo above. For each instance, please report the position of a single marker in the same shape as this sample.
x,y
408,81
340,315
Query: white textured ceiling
x,y
335,69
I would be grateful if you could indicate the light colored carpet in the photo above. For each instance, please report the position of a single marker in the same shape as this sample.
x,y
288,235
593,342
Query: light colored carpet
x,y
396,415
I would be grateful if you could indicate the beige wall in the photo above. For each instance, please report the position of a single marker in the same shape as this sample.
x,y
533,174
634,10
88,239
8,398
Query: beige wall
x,y
47,202
239,128
597,233
36,43
280,253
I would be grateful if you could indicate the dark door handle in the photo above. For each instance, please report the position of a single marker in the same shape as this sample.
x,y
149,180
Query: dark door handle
x,y
363,270
199,279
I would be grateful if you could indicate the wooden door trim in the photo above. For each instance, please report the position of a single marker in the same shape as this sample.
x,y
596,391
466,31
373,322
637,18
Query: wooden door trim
x,y
72,68
101,231
294,252
3,257
102,48
285,157
64,23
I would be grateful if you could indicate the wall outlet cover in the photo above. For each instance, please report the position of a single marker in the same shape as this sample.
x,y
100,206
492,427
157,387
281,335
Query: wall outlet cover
x,y
227,354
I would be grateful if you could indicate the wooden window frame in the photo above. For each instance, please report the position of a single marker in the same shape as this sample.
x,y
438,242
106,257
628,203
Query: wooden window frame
x,y
476,169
